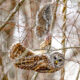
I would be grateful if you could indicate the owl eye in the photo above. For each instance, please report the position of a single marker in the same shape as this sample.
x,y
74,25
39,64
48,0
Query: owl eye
x,y
55,57
60,60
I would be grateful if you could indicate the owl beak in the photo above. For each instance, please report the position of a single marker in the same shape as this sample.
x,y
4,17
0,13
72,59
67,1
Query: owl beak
x,y
56,62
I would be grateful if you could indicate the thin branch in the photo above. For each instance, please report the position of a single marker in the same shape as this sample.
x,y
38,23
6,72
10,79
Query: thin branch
x,y
77,78
66,48
73,26
64,35
34,76
77,33
11,14
54,15
59,48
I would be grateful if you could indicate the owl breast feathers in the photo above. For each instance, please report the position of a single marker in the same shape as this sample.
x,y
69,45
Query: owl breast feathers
x,y
43,63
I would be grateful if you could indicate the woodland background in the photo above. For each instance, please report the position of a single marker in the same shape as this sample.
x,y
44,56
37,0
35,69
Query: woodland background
x,y
17,23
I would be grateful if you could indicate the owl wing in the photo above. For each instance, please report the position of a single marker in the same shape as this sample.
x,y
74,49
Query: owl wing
x,y
44,15
39,63
18,50
32,60
44,19
43,67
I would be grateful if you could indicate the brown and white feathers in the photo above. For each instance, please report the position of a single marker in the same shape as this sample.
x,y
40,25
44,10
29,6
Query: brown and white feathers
x,y
43,63
43,20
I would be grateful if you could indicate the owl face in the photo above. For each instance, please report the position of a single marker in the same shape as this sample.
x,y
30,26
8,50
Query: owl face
x,y
58,59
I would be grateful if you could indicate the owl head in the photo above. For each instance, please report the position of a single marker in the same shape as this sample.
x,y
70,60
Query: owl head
x,y
57,60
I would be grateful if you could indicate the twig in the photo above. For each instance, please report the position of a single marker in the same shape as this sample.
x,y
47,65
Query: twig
x,y
77,33
73,26
34,76
60,48
64,35
54,15
11,14
73,61
53,21
66,48
78,73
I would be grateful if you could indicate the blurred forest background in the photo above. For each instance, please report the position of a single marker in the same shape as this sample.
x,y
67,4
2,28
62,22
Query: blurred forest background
x,y
17,23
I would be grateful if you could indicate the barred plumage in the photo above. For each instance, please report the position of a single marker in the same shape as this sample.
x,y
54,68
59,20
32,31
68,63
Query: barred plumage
x,y
43,21
43,63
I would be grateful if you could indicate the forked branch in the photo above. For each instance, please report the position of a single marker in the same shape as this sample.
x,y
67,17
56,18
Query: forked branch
x,y
11,14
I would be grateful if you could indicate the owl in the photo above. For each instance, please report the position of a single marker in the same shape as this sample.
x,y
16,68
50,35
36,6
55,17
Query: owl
x,y
37,60
43,20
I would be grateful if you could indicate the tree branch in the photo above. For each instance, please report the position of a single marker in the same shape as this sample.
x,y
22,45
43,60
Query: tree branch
x,y
64,34
77,78
60,48
34,76
54,15
66,48
11,14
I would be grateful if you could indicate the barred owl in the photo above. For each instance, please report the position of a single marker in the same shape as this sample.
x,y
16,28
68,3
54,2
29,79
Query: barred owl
x,y
43,20
43,63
